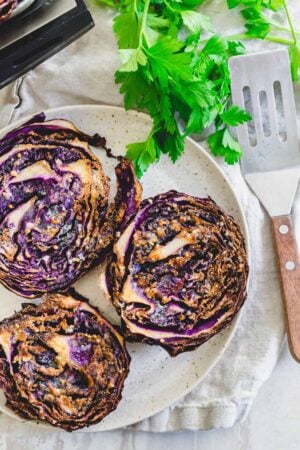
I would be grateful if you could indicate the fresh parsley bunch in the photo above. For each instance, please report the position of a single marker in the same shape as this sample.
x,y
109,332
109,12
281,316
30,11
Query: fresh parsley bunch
x,y
182,81
172,71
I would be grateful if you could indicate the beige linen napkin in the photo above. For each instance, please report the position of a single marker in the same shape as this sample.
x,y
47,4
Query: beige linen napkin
x,y
84,74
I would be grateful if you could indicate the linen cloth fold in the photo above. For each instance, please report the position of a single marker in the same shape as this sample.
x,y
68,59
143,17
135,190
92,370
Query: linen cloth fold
x,y
83,73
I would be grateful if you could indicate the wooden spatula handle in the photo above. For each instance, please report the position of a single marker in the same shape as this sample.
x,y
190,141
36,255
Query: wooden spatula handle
x,y
289,264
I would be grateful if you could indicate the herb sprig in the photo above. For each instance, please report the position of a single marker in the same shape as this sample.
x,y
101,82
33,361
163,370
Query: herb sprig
x,y
182,81
175,68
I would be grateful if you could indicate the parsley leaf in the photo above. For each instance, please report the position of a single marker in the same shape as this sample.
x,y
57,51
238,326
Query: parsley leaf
x,y
196,21
222,143
274,4
170,143
143,154
131,59
233,3
235,116
236,48
257,28
215,47
107,2
122,23
166,60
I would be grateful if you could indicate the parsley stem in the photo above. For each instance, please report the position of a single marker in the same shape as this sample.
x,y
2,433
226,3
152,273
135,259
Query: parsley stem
x,y
169,6
278,25
282,28
290,22
285,29
144,20
278,39
244,36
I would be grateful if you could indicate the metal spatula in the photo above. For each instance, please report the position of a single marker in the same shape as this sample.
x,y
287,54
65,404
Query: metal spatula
x,y
261,83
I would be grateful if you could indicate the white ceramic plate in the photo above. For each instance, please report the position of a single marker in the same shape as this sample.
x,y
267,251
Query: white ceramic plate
x,y
155,380
22,6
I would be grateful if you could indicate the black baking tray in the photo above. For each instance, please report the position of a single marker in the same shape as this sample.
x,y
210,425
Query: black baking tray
x,y
26,53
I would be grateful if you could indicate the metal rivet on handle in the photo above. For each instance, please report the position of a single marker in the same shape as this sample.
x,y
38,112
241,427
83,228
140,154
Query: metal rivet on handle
x,y
283,229
290,265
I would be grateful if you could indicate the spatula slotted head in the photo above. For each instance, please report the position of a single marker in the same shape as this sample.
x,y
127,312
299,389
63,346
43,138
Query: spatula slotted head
x,y
261,83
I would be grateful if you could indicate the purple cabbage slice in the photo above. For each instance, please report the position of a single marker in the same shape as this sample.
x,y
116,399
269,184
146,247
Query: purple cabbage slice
x,y
178,273
55,218
62,362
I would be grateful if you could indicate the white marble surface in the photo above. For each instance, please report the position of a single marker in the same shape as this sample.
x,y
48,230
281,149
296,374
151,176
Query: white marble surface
x,y
273,424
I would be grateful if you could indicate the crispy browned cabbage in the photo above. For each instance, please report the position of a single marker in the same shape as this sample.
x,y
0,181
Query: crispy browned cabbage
x,y
62,362
55,218
178,273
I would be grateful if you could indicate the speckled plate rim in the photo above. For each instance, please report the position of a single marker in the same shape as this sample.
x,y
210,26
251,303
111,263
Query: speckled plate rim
x,y
232,327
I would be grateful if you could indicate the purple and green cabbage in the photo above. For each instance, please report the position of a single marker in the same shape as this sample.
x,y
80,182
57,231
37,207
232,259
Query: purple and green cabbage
x,y
55,218
178,272
62,362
